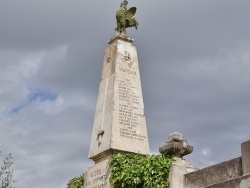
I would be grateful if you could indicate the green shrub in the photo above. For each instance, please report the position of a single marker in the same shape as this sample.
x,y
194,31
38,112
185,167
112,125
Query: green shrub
x,y
77,182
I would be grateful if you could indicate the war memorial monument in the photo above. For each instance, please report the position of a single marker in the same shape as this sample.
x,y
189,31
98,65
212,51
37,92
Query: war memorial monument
x,y
120,125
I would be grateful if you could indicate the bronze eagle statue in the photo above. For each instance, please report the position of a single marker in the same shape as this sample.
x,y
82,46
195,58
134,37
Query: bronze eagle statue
x,y
124,18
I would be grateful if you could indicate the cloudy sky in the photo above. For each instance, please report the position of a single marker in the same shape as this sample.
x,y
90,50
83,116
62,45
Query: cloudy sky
x,y
195,70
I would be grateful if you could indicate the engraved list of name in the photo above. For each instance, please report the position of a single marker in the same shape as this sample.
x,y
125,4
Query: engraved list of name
x,y
96,178
130,111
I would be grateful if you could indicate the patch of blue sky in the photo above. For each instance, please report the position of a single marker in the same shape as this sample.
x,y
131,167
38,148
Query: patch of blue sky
x,y
35,95
41,95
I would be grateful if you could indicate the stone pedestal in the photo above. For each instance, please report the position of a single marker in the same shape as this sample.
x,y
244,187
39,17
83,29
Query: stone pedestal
x,y
97,176
178,169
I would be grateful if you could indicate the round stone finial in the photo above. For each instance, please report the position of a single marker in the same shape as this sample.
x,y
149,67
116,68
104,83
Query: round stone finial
x,y
176,145
175,136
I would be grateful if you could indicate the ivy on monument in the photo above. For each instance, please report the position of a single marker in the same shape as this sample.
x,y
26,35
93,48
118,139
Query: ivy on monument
x,y
140,171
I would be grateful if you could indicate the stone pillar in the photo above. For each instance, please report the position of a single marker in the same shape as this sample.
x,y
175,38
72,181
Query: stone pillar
x,y
119,123
245,152
179,147
179,168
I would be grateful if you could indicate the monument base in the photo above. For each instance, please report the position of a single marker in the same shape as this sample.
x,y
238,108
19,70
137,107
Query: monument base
x,y
97,176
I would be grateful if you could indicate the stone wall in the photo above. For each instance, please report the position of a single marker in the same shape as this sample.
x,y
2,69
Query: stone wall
x,y
234,173
241,182
214,174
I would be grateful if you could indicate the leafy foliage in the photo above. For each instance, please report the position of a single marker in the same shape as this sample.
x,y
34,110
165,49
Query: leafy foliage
x,y
77,182
139,171
6,173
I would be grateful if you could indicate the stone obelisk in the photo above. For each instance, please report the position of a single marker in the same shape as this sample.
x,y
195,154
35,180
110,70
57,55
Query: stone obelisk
x,y
119,124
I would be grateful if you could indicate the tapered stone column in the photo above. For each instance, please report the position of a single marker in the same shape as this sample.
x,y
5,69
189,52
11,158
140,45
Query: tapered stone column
x,y
119,124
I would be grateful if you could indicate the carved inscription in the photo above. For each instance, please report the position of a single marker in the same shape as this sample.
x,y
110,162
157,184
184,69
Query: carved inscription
x,y
127,71
96,179
130,113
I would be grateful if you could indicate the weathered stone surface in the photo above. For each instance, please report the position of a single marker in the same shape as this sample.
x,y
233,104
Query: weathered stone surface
x,y
178,169
97,176
119,123
175,136
214,174
244,181
245,151
176,145
240,182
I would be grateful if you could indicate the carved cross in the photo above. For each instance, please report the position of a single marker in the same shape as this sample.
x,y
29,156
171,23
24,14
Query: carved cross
x,y
99,136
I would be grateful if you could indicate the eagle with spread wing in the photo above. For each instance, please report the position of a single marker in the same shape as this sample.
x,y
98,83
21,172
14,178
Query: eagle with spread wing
x,y
124,18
